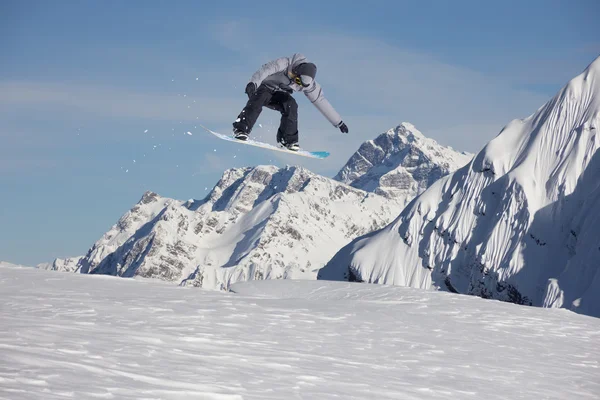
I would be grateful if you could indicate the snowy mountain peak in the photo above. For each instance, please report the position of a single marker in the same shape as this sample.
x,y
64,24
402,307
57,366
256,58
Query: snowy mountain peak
x,y
407,130
400,163
260,222
149,197
519,223
70,264
241,189
546,153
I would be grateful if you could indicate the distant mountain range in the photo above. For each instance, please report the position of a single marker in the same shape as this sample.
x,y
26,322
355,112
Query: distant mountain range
x,y
266,222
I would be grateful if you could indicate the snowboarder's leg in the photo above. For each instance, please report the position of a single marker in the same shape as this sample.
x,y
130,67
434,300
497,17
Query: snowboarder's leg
x,y
247,118
287,134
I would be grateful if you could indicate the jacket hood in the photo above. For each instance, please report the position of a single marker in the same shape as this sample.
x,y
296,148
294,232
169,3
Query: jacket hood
x,y
297,59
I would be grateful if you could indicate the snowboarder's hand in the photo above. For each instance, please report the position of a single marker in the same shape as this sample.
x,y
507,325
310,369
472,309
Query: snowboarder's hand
x,y
250,89
343,127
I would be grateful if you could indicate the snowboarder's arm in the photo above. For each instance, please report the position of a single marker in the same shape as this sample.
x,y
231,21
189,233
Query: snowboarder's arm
x,y
270,68
315,94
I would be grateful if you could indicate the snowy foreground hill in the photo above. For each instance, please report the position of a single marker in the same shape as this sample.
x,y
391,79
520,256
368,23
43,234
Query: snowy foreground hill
x,y
520,222
97,337
268,223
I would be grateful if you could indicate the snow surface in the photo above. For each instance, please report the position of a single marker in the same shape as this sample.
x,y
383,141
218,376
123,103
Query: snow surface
x,y
520,222
98,337
7,264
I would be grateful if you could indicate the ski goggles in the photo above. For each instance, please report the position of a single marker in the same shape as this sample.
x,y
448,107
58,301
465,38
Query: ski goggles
x,y
303,82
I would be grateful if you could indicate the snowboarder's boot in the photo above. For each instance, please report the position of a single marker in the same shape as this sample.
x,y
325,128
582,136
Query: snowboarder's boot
x,y
293,146
288,141
290,146
240,135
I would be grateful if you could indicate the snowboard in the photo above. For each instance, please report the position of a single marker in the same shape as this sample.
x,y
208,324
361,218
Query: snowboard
x,y
256,143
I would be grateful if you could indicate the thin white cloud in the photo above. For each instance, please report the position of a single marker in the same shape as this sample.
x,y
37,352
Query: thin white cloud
x,y
233,35
10,165
114,102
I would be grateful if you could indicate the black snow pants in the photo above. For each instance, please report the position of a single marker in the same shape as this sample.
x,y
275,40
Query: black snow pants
x,y
275,100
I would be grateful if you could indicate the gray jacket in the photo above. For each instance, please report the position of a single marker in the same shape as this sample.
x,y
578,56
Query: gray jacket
x,y
275,75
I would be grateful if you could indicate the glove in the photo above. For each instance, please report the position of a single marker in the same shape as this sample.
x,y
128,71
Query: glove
x,y
343,127
250,89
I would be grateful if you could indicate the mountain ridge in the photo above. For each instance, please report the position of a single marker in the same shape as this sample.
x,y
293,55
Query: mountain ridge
x,y
503,226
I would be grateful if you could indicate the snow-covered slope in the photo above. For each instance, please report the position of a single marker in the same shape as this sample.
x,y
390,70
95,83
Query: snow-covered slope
x,y
257,223
11,265
265,222
92,337
520,223
400,164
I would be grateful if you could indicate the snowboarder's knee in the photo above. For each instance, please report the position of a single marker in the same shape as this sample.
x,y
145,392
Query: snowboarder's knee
x,y
291,107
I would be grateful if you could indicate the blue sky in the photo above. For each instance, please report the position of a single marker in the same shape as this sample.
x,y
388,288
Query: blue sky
x,y
96,97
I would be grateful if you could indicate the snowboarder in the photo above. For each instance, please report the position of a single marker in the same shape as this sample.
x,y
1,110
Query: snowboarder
x,y
272,86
